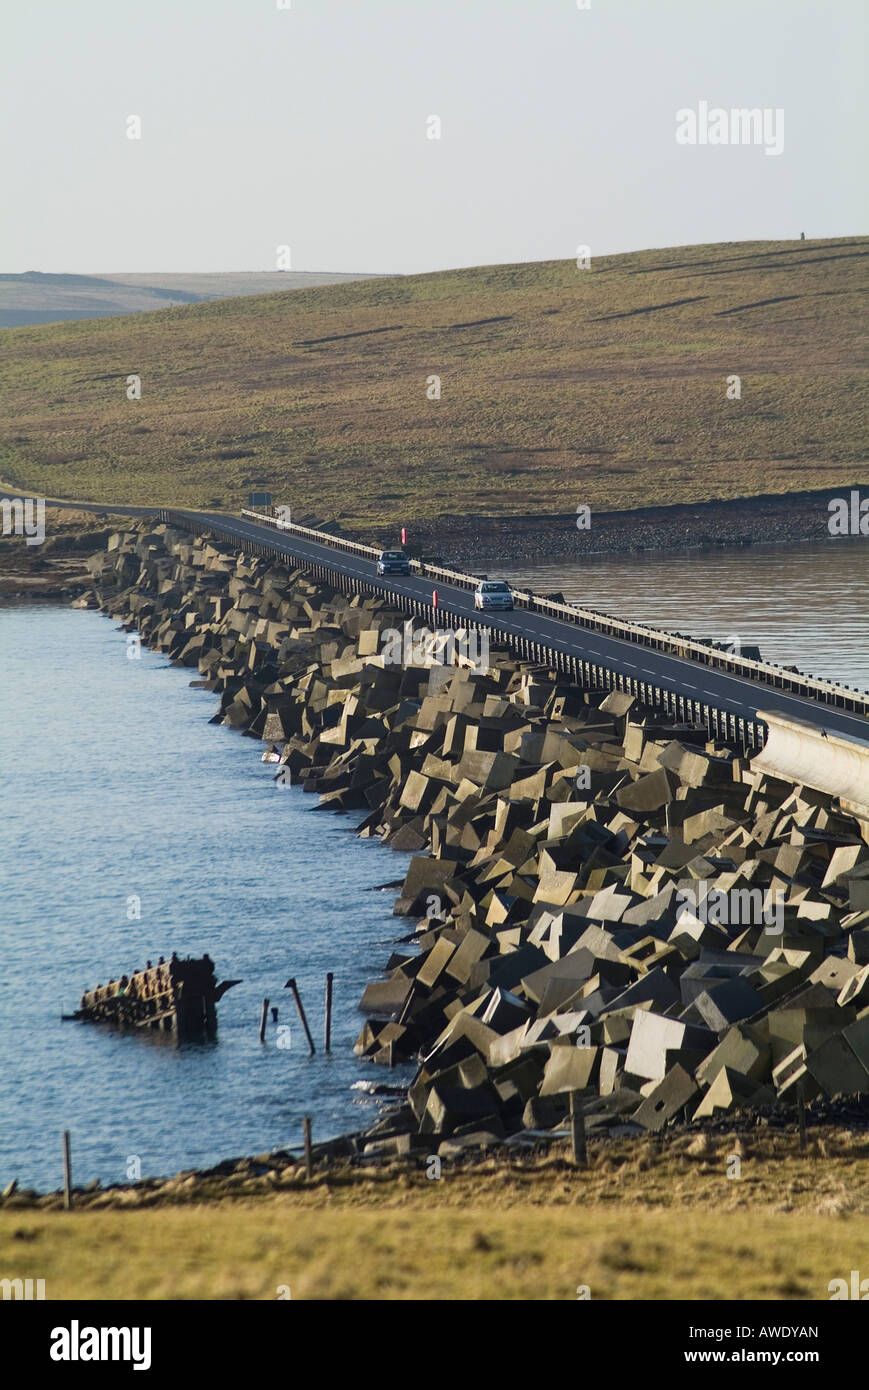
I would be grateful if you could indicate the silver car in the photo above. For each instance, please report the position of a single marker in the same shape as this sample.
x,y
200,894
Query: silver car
x,y
493,594
393,562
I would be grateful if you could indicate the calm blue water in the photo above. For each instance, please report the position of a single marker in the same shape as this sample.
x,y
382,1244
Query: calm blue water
x,y
114,784
804,605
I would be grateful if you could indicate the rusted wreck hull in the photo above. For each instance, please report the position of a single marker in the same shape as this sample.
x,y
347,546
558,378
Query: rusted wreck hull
x,y
176,996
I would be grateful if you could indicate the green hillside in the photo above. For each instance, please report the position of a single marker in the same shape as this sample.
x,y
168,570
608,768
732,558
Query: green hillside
x,y
559,386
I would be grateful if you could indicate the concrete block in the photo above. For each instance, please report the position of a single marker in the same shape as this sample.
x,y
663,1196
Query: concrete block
x,y
426,873
649,793
574,969
611,1059
617,703
701,975
666,1100
729,1090
836,1068
569,1068
858,946
448,1107
655,987
856,1035
504,1011
741,1050
385,996
791,1072
652,1037
435,962
727,1002
470,949
506,1049
856,990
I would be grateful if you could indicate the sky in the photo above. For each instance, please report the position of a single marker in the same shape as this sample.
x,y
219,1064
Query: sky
x,y
309,127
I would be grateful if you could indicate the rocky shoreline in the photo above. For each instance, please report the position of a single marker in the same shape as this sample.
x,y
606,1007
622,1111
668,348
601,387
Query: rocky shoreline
x,y
56,568
771,519
608,915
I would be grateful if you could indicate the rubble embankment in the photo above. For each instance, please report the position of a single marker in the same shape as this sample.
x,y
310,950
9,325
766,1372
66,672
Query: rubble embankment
x,y
477,541
601,903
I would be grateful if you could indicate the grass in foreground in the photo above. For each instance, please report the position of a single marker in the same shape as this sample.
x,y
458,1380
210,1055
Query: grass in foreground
x,y
558,386
647,1220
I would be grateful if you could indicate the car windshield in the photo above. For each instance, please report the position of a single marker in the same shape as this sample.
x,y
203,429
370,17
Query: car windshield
x,y
392,555
499,588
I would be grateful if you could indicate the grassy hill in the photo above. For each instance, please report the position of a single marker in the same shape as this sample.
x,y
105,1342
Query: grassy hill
x,y
558,386
35,297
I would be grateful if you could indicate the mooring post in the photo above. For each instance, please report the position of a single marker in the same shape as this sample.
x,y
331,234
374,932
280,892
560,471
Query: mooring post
x,y
328,1037
306,1130
801,1115
263,1020
67,1172
291,984
577,1132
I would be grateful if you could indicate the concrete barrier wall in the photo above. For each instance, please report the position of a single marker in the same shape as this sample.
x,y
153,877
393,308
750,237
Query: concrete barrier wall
x,y
828,762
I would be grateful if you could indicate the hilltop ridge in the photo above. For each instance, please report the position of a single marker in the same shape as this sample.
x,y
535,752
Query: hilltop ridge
x,y
557,386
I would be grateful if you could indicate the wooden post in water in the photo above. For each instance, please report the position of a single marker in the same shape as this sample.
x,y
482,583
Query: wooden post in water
x,y
67,1172
291,984
577,1132
328,1038
263,1020
306,1129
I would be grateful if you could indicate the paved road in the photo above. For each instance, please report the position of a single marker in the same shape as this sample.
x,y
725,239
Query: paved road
x,y
734,694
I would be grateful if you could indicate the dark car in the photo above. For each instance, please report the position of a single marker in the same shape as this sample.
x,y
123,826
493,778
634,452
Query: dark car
x,y
393,562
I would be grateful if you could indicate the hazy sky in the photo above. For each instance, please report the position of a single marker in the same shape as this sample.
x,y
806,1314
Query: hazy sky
x,y
264,127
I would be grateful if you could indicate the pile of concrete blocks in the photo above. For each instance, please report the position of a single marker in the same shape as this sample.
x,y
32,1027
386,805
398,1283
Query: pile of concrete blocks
x,y
605,903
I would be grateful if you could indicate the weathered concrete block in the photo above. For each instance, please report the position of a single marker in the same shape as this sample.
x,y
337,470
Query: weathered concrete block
x,y
729,1090
727,1002
655,987
741,1050
569,1068
448,1107
836,1068
470,949
489,770
504,1011
668,1097
652,1037
435,962
856,989
791,1072
385,996
649,793
856,1036
425,873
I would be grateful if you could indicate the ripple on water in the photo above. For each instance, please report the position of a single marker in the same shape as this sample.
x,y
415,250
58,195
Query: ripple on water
x,y
806,606
116,787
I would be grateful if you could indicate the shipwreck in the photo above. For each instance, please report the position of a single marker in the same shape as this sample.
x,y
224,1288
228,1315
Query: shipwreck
x,y
175,996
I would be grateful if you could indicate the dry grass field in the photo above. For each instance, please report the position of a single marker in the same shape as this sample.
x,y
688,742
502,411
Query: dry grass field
x,y
558,386
648,1219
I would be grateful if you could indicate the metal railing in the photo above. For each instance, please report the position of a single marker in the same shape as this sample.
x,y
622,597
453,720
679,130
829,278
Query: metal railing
x,y
766,672
720,724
